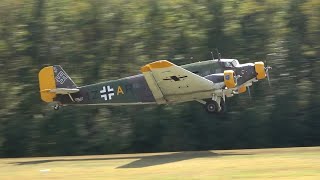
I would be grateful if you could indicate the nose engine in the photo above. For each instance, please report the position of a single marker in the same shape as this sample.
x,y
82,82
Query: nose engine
x,y
244,73
260,70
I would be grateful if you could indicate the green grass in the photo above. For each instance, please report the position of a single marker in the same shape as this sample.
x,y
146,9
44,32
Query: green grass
x,y
281,163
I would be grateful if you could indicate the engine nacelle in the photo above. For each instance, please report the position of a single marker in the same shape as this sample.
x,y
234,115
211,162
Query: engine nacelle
x,y
242,89
229,78
259,67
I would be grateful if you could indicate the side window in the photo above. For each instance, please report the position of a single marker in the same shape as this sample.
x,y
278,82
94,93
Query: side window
x,y
218,70
206,73
235,63
228,64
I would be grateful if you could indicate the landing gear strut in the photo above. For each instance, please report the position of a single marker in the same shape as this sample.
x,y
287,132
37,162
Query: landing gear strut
x,y
223,106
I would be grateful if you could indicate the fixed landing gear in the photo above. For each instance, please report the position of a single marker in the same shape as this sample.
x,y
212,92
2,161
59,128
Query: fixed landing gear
x,y
213,106
223,106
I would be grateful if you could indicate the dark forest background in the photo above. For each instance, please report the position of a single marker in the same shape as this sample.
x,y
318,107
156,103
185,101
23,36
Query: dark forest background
x,y
99,40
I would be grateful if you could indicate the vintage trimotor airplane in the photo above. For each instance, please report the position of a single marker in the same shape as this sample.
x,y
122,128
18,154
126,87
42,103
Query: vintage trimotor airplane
x,y
161,82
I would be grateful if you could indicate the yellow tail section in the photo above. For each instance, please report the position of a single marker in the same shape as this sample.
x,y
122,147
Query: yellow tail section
x,y
46,83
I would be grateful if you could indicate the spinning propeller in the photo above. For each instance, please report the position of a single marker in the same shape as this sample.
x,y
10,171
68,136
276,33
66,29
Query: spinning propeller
x,y
249,92
267,73
266,68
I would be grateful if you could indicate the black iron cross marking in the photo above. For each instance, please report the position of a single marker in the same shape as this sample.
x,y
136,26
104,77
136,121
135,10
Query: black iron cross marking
x,y
107,93
175,78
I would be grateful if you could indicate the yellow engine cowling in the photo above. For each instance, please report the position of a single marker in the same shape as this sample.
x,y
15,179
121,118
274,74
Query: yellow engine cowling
x,y
259,67
229,78
242,89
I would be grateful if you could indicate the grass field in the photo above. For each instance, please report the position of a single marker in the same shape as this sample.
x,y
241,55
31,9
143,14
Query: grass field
x,y
282,163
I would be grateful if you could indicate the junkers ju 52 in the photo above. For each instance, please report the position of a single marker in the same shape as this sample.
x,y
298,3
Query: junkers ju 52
x,y
160,82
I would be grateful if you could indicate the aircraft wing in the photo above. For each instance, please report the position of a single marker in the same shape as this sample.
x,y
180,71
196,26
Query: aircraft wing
x,y
166,80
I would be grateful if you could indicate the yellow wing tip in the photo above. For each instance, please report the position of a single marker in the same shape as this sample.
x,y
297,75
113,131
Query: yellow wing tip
x,y
156,65
145,68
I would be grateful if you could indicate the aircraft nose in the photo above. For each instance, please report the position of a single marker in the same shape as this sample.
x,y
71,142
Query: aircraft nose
x,y
246,72
250,71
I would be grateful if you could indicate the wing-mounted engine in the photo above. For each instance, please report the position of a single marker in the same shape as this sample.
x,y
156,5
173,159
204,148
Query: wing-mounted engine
x,y
242,89
231,82
230,79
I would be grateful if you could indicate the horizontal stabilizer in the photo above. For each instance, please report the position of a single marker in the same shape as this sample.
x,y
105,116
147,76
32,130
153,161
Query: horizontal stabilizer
x,y
61,90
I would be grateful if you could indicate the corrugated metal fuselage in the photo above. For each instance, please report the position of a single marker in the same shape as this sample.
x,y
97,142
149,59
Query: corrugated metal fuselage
x,y
130,90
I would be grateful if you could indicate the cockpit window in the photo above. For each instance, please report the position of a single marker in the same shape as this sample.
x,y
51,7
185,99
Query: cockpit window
x,y
235,63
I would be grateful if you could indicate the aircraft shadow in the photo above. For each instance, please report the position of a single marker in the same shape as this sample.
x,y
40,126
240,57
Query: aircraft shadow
x,y
143,161
168,158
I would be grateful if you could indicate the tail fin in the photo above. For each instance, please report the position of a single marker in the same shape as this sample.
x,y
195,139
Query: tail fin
x,y
54,80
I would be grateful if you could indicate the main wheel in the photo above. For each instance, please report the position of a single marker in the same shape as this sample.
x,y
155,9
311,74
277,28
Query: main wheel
x,y
211,106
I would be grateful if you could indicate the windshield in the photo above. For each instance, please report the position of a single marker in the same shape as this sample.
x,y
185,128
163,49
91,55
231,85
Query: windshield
x,y
231,63
235,63
228,64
